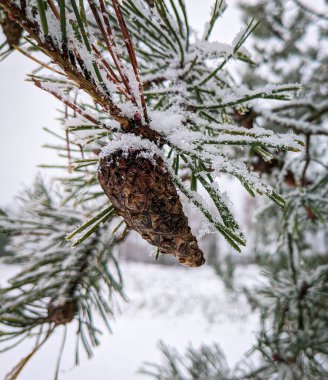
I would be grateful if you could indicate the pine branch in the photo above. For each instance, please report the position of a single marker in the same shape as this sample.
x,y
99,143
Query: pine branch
x,y
107,50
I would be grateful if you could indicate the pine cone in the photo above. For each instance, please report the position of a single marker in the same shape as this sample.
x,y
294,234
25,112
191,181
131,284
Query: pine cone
x,y
143,193
63,313
12,30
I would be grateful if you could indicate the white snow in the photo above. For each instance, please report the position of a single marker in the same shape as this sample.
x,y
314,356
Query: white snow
x,y
127,141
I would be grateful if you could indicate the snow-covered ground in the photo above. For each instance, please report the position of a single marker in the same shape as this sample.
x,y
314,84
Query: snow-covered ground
x,y
174,304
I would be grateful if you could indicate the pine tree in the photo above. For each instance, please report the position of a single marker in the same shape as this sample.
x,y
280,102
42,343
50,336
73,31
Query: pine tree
x,y
292,342
149,114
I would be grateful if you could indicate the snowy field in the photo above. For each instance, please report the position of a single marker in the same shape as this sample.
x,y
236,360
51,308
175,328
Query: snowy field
x,y
178,305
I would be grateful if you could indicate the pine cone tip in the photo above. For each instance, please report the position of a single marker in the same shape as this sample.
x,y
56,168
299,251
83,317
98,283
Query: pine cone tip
x,y
191,256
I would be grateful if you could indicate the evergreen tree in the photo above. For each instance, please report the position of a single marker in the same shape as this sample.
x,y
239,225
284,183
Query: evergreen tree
x,y
149,114
292,342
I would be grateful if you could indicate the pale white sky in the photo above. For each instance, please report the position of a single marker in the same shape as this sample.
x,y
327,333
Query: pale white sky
x,y
25,109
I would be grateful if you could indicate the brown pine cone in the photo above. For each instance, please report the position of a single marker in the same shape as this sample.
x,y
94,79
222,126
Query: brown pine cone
x,y
143,193
12,30
63,313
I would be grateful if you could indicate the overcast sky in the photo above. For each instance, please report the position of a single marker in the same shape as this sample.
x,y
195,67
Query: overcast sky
x,y
25,109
